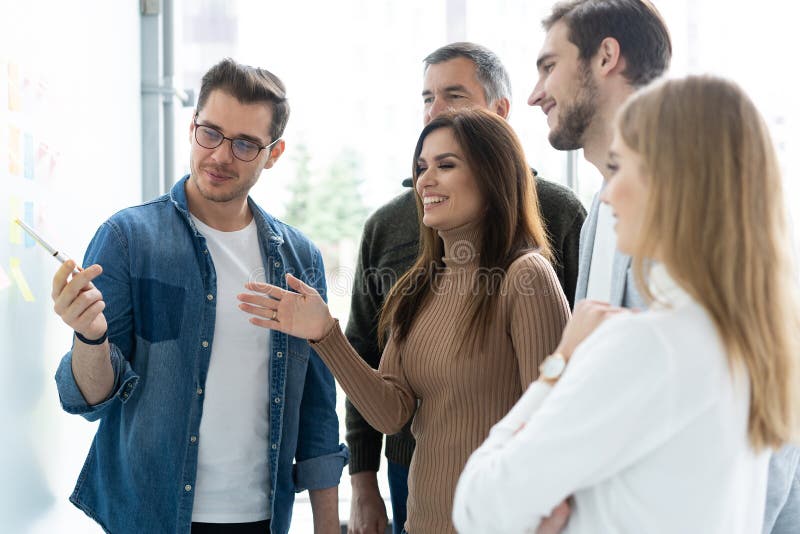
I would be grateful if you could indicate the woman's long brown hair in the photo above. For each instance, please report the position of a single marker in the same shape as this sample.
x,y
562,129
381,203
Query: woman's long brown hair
x,y
512,224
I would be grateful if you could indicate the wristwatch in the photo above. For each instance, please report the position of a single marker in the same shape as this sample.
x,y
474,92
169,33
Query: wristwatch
x,y
552,367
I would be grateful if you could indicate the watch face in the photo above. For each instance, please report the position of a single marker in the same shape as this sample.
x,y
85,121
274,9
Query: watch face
x,y
553,366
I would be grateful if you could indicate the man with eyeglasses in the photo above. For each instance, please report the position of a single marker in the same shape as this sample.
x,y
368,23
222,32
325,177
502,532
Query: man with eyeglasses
x,y
208,424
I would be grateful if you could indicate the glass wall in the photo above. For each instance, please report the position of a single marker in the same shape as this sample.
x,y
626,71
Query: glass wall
x,y
69,158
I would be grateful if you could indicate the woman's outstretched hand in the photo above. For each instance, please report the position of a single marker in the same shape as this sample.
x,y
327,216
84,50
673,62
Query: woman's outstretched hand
x,y
302,314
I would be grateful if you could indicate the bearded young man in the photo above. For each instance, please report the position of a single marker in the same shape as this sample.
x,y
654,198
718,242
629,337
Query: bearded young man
x,y
595,55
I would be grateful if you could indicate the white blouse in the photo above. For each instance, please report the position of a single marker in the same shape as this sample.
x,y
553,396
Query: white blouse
x,y
646,430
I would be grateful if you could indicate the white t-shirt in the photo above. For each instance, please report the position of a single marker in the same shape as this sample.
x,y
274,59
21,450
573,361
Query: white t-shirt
x,y
646,430
232,467
605,244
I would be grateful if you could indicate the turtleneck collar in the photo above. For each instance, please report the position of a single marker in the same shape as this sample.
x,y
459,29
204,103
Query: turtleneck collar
x,y
462,244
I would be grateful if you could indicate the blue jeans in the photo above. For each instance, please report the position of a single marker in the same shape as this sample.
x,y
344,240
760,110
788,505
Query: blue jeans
x,y
398,490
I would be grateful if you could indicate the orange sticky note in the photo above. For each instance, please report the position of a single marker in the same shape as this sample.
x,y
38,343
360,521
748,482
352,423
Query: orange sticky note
x,y
14,88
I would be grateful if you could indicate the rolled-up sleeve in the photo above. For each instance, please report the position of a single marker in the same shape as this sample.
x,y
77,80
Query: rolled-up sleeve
x,y
72,400
320,472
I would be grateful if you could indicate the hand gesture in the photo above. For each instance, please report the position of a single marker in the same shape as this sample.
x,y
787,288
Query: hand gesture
x,y
78,302
302,314
588,315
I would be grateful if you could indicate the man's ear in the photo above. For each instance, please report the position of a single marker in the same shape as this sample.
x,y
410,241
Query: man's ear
x,y
502,107
191,129
609,58
275,153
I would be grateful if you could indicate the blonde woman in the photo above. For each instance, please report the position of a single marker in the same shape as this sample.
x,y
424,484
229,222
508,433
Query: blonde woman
x,y
662,421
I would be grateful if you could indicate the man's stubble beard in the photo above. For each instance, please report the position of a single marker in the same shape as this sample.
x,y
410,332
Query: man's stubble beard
x,y
242,190
577,116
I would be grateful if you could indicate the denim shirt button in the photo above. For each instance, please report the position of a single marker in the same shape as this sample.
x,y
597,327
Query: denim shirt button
x,y
277,264
277,400
188,487
193,439
199,391
205,344
210,296
274,446
280,354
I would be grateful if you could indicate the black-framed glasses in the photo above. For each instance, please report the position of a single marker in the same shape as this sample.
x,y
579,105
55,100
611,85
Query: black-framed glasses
x,y
243,149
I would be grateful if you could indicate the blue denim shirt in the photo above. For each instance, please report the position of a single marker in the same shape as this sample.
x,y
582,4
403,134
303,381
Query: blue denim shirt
x,y
159,286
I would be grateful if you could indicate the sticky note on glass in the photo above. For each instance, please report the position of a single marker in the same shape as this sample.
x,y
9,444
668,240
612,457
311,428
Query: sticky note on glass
x,y
19,279
15,234
14,88
43,160
29,159
28,218
5,281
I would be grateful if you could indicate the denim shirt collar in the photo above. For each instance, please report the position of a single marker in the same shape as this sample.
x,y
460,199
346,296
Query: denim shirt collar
x,y
264,222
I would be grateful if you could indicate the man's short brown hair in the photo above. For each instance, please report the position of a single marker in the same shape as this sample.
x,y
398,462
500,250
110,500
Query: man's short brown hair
x,y
637,26
248,85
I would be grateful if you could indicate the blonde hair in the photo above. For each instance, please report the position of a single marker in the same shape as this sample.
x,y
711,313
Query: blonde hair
x,y
716,219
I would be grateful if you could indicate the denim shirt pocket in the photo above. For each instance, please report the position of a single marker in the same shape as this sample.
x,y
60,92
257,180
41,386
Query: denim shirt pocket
x,y
160,309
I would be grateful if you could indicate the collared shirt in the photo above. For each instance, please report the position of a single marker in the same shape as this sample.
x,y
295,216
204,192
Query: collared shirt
x,y
159,286
605,244
646,431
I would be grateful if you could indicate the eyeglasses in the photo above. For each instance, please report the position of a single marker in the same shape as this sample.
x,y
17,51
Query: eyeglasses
x,y
244,150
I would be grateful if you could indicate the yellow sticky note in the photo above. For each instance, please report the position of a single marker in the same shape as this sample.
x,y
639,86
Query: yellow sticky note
x,y
19,278
4,280
15,236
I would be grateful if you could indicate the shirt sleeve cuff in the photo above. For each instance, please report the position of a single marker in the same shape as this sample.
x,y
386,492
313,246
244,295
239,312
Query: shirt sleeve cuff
x,y
72,400
320,472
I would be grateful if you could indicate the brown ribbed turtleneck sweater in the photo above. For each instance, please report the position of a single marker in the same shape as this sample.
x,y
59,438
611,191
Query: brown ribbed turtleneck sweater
x,y
457,397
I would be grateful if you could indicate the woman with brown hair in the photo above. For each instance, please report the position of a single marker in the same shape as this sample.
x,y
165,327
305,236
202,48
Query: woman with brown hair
x,y
662,421
468,324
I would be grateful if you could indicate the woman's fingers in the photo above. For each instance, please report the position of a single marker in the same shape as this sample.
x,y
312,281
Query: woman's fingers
x,y
265,323
269,290
261,311
299,286
264,306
